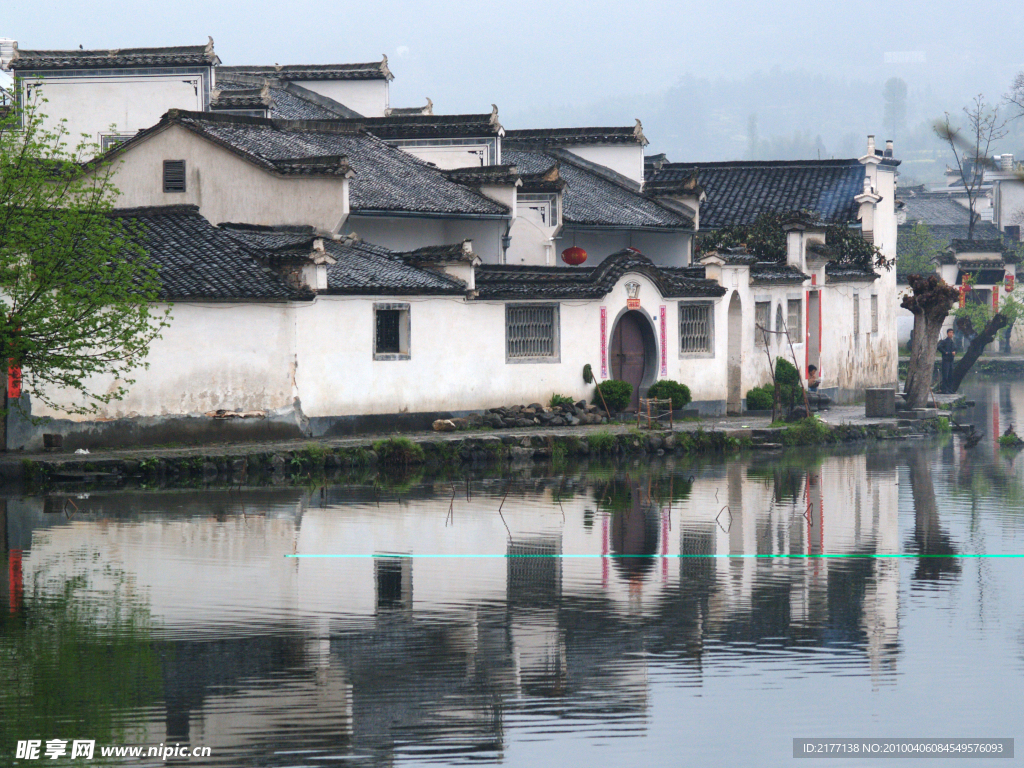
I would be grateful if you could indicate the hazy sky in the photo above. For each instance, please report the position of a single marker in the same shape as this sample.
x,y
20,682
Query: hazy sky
x,y
545,62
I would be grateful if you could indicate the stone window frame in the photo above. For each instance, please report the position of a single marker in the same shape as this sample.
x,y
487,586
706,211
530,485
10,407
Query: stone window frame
x,y
797,336
404,330
856,318
759,303
556,341
692,354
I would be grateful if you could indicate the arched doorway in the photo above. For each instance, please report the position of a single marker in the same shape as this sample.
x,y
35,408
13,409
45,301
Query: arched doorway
x,y
735,362
634,353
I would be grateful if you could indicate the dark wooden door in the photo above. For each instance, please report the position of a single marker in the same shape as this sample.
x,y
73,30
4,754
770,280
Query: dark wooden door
x,y
628,355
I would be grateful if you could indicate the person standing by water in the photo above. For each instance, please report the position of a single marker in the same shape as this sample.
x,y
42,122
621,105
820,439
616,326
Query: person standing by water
x,y
947,348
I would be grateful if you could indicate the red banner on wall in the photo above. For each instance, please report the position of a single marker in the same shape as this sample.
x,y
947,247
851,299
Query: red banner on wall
x,y
664,342
995,298
13,382
604,343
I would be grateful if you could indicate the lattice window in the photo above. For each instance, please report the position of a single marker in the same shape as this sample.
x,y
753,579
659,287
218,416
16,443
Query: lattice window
x,y
695,327
109,141
874,313
174,175
795,322
531,332
762,319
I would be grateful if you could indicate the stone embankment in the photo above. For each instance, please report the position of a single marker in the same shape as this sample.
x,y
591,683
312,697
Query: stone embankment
x,y
305,461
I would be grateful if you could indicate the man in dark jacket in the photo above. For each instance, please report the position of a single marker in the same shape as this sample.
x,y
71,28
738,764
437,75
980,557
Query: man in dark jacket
x,y
947,348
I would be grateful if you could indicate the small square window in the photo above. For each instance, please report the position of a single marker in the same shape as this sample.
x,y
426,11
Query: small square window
x,y
391,332
174,175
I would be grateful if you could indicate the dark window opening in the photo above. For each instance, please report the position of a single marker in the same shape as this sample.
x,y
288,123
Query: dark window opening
x,y
174,175
388,331
389,584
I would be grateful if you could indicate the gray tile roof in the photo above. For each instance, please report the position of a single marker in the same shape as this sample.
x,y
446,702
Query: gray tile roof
x,y
288,100
942,235
359,269
362,268
478,175
770,272
838,272
419,126
592,200
387,179
934,209
540,138
515,282
198,261
977,245
737,192
241,98
439,254
374,70
177,56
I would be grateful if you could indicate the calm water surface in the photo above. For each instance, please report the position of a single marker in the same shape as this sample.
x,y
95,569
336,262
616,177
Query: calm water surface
x,y
454,633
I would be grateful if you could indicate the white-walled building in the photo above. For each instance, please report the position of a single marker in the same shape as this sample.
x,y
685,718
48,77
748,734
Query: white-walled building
x,y
401,266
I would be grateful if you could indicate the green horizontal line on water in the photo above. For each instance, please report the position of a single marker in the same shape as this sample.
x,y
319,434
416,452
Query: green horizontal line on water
x,y
797,555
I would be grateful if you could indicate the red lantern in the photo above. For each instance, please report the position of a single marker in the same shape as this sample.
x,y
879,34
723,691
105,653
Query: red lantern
x,y
1009,283
574,256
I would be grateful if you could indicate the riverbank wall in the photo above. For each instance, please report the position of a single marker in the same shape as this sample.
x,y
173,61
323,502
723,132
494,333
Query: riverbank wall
x,y
308,461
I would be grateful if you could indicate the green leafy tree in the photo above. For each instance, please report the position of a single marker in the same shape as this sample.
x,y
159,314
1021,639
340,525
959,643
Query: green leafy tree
x,y
918,250
77,292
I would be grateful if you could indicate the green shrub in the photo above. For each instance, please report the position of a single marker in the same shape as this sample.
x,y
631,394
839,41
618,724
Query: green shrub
x,y
671,390
1010,441
943,425
398,450
809,431
760,398
786,373
557,400
617,394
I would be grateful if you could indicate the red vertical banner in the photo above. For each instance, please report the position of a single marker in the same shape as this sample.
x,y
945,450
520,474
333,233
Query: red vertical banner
x,y
15,579
604,551
604,343
664,341
13,382
995,298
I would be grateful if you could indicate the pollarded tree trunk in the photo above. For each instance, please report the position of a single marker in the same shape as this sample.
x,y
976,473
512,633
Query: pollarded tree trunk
x,y
930,302
975,348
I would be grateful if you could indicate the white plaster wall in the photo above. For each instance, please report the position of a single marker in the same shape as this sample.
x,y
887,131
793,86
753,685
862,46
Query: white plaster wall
x,y
231,356
627,159
92,105
367,97
458,355
670,249
1009,204
456,156
533,240
224,186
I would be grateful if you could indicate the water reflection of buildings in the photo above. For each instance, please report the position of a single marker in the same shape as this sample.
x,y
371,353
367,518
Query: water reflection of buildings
x,y
364,656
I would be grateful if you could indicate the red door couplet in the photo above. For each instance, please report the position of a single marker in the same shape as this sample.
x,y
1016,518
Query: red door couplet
x,y
628,355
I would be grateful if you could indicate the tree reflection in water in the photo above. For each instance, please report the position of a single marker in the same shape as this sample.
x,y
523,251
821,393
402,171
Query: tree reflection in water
x,y
930,539
76,656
